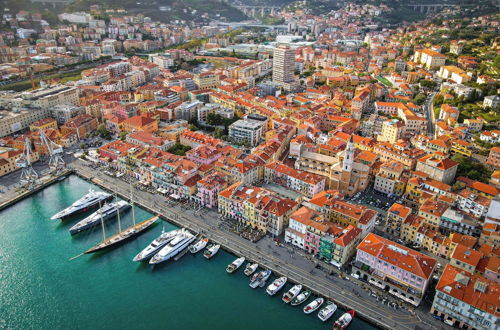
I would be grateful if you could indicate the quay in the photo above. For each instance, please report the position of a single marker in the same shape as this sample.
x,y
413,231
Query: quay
x,y
22,193
342,296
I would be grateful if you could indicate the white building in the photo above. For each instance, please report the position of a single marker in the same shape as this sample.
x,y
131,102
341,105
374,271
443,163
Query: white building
x,y
246,131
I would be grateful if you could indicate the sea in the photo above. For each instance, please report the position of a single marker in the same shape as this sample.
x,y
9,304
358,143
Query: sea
x,y
45,282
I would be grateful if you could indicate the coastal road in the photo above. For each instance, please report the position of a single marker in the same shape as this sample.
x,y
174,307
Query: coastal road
x,y
265,252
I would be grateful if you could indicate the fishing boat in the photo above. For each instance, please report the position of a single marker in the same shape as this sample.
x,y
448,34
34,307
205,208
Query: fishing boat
x,y
177,245
211,251
235,265
259,277
277,284
157,244
107,212
250,269
344,321
326,312
313,305
292,293
301,297
88,202
198,246
263,280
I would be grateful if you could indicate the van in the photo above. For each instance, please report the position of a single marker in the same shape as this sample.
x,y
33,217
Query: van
x,y
356,276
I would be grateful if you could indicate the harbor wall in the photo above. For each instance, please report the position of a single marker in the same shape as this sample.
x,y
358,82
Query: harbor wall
x,y
43,182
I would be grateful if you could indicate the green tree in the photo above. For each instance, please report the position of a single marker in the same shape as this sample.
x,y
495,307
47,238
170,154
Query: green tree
x,y
123,135
103,132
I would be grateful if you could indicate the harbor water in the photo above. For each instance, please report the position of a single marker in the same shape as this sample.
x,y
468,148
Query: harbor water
x,y
41,288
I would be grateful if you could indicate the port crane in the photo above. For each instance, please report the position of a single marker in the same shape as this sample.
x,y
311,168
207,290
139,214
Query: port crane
x,y
28,174
56,162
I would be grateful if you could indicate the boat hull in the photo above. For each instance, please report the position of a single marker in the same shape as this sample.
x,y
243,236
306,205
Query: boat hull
x,y
89,225
174,253
87,208
123,236
144,255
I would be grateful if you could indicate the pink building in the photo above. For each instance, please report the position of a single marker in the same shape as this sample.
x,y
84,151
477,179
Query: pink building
x,y
401,271
204,155
209,188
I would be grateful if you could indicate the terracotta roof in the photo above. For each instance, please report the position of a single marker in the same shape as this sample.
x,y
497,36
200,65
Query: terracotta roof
x,y
398,255
474,290
348,235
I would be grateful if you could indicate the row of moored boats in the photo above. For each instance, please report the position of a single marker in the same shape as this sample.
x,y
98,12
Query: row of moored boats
x,y
172,243
107,209
295,296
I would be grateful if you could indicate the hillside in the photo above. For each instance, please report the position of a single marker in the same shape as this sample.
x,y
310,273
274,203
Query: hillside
x,y
189,10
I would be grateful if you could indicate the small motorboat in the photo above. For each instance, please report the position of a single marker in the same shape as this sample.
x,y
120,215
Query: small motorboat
x,y
211,251
301,297
313,305
250,269
326,312
344,321
198,246
292,293
235,265
277,284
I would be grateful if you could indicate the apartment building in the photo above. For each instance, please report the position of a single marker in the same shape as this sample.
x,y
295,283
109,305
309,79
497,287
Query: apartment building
x,y
246,131
397,214
389,179
257,207
401,271
466,300
429,58
306,183
438,168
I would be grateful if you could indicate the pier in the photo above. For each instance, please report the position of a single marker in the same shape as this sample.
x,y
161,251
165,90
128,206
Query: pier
x,y
315,280
21,193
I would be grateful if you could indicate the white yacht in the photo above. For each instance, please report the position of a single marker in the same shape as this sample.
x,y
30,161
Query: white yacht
x,y
157,244
292,293
326,312
179,243
313,305
198,246
108,211
277,284
211,251
235,265
88,202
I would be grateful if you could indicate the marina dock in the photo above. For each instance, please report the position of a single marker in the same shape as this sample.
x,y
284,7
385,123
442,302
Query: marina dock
x,y
241,247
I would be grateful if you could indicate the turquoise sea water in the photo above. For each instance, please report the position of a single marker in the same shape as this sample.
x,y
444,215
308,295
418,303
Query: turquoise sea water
x,y
40,288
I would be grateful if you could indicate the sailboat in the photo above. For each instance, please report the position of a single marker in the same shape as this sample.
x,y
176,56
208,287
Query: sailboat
x,y
124,235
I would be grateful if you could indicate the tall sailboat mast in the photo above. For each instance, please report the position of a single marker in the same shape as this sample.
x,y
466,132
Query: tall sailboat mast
x,y
102,223
132,204
118,214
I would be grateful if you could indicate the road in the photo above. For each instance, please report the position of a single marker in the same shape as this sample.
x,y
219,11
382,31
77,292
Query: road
x,y
283,259
429,112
